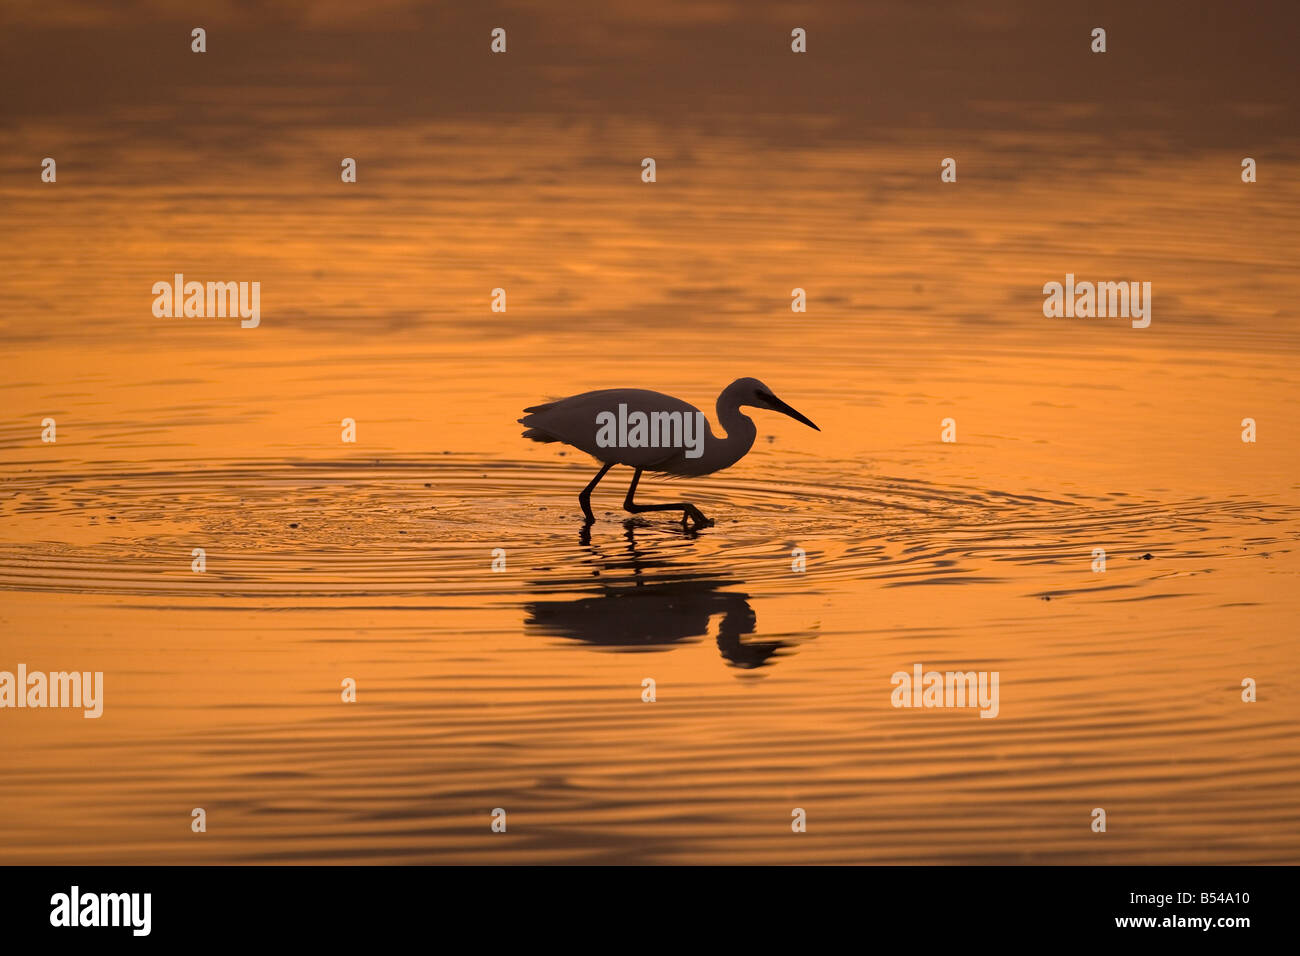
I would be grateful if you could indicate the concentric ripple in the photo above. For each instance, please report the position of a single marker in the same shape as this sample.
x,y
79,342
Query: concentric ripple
x,y
417,529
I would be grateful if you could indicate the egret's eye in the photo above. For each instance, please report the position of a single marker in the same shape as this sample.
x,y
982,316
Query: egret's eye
x,y
765,396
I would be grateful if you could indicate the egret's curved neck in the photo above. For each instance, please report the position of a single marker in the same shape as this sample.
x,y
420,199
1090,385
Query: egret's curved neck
x,y
723,452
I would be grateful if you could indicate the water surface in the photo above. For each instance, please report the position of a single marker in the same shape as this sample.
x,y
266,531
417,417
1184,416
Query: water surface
x,y
522,688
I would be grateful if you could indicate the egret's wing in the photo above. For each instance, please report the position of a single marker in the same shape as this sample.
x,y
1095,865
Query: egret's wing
x,y
575,421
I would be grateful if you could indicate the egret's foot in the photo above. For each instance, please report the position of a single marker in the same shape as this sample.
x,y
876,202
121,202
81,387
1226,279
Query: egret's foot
x,y
696,517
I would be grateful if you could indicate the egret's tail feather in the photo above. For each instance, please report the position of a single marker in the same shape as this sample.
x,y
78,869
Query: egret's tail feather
x,y
537,434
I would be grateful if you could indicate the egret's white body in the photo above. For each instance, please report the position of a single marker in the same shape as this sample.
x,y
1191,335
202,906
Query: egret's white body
x,y
575,421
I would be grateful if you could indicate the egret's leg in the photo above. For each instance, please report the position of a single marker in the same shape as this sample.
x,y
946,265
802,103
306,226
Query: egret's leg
x,y
584,498
685,507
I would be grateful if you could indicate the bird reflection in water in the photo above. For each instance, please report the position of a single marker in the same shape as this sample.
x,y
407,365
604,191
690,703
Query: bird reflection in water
x,y
660,612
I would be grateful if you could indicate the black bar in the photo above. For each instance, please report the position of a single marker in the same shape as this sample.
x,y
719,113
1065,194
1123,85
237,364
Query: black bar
x,y
948,905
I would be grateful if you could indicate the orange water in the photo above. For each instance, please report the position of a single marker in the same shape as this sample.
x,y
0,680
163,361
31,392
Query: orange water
x,y
522,689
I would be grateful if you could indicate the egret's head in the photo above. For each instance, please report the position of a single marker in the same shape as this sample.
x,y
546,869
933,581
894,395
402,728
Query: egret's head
x,y
756,394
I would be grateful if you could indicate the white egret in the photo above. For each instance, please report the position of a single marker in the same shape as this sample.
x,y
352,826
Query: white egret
x,y
650,431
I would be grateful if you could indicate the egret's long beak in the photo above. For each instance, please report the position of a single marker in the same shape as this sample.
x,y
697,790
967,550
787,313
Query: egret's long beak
x,y
779,406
